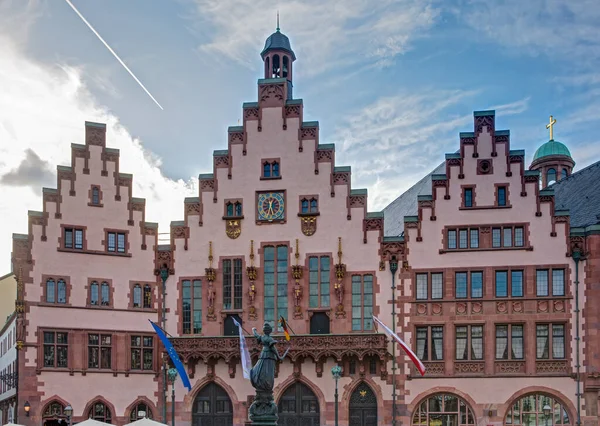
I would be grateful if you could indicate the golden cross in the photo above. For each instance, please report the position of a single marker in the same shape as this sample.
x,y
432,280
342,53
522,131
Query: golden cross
x,y
549,126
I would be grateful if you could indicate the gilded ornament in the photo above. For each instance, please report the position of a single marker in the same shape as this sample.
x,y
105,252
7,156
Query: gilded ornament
x,y
233,228
340,272
252,275
297,274
309,225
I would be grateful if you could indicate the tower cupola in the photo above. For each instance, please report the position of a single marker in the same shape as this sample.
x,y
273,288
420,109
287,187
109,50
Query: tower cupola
x,y
278,55
553,159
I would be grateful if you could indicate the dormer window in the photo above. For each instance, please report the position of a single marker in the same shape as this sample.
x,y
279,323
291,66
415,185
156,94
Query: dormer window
x,y
233,208
271,169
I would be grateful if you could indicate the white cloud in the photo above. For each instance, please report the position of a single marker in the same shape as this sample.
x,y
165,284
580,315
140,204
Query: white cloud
x,y
405,136
42,110
325,35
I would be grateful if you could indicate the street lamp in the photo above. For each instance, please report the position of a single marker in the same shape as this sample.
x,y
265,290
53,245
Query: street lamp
x,y
172,373
546,411
164,274
26,407
68,412
393,270
336,373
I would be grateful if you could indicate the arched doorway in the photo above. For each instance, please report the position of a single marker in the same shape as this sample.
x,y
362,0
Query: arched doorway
x,y
298,406
537,409
139,411
212,407
54,414
443,409
363,406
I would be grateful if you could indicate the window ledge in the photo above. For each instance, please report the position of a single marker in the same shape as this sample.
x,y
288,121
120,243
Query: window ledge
x,y
232,311
105,307
98,252
270,178
485,207
233,217
492,299
54,305
139,309
526,248
323,309
95,205
309,214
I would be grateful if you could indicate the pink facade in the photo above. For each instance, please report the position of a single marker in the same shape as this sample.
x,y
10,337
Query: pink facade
x,y
278,230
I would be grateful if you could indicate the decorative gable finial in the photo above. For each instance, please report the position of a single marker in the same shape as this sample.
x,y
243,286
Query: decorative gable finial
x,y
277,21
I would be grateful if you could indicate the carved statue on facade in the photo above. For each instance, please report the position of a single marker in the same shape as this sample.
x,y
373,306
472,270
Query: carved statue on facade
x,y
263,410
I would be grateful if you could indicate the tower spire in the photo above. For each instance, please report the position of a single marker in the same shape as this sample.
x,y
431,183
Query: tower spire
x,y
277,21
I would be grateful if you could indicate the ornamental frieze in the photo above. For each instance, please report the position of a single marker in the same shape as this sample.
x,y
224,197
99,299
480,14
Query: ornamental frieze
x,y
95,136
251,114
484,121
308,133
317,348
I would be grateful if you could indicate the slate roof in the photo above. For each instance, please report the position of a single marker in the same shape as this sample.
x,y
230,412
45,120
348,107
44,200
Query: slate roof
x,y
580,194
406,204
278,41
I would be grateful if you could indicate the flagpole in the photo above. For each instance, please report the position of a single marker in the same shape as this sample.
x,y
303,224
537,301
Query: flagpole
x,y
393,270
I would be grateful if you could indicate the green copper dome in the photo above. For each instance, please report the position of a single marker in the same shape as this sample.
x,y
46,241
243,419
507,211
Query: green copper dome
x,y
551,148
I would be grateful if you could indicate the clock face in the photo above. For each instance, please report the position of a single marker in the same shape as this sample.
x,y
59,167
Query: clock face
x,y
271,206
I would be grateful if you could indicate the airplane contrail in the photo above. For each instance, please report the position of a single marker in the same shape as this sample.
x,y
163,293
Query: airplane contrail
x,y
113,52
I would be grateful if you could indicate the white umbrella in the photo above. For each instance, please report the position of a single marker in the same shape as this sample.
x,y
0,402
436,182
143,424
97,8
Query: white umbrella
x,y
92,422
12,424
145,422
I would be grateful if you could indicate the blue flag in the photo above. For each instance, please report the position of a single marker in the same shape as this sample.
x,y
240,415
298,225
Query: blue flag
x,y
173,354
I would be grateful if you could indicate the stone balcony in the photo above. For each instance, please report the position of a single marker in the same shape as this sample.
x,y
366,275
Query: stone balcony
x,y
316,347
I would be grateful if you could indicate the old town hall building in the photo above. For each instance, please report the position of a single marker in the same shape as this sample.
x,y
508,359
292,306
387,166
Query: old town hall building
x,y
483,271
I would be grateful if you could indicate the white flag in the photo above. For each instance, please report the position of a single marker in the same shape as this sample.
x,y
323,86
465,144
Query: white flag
x,y
245,355
413,357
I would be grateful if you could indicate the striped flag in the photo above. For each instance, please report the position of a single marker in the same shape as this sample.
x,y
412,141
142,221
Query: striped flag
x,y
284,325
244,353
413,357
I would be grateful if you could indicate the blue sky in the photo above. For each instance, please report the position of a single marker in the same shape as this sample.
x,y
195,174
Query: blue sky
x,y
391,83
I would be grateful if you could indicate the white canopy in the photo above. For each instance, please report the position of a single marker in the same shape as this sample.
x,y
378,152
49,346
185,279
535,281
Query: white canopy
x,y
145,422
92,422
12,424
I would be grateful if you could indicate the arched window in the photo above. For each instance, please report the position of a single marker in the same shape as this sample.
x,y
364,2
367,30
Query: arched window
x,y
147,297
238,208
299,405
550,176
140,411
267,67
95,195
267,169
229,209
62,291
275,169
50,290
564,173
314,205
137,296
100,412
105,294
94,296
53,410
537,410
276,67
304,204
285,66
443,408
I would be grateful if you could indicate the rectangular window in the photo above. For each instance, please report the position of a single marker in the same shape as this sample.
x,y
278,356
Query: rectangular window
x,y
319,272
516,283
437,343
275,265
541,282
191,306
509,341
422,286
474,238
437,285
469,346
142,353
468,197
232,284
430,349
501,284
462,239
496,237
99,350
362,302
502,195
558,282
519,236
115,242
461,285
56,349
451,239
543,343
477,284
507,237
73,238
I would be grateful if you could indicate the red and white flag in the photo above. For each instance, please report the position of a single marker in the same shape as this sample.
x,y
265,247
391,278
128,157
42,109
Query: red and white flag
x,y
413,357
